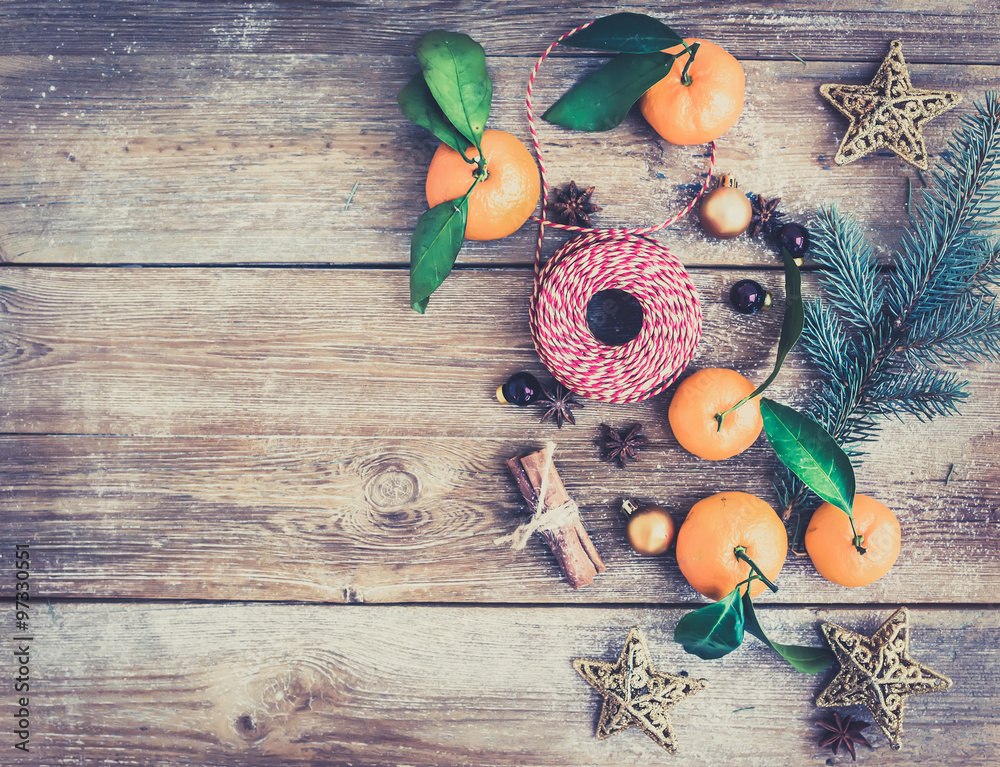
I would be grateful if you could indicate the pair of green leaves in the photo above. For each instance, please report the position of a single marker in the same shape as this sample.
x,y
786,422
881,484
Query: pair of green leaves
x,y
600,101
717,629
451,97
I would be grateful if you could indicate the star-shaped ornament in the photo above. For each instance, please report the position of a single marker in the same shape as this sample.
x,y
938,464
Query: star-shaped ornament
x,y
877,672
888,112
635,694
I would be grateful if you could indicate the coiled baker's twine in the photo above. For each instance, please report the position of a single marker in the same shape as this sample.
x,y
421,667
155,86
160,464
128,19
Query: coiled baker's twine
x,y
606,259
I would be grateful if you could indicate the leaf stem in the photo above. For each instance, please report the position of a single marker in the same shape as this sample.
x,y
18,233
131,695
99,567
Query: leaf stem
x,y
741,553
685,77
475,183
481,173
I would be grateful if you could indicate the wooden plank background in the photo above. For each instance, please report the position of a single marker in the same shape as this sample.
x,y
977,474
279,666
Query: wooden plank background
x,y
253,685
212,388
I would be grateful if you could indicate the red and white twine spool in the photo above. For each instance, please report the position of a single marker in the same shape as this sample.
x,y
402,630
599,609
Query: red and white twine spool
x,y
606,259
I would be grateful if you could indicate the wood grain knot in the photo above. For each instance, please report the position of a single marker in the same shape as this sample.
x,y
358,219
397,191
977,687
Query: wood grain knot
x,y
246,727
392,488
273,701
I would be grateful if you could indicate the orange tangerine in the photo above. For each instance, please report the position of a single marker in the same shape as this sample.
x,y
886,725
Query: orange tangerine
x,y
829,542
714,528
503,201
694,405
706,108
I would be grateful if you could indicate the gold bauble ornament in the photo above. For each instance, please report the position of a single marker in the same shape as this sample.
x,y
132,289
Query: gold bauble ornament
x,y
650,529
725,212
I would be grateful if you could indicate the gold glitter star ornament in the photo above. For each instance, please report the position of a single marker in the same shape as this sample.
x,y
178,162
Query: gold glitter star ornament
x,y
877,672
635,694
888,112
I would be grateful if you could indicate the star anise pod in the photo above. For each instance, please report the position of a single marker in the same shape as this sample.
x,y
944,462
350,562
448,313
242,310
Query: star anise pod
x,y
559,405
573,206
843,731
765,216
621,447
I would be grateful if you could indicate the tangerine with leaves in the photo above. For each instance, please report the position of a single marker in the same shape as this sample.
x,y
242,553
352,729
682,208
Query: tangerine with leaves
x,y
699,99
695,405
504,198
829,542
721,528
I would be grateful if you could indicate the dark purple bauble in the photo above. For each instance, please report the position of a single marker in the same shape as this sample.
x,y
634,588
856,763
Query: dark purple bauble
x,y
795,239
520,389
749,297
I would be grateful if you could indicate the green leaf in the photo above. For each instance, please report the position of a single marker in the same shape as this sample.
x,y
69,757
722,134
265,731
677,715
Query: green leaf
x,y
714,630
434,246
791,329
809,451
418,106
454,67
625,32
793,321
808,660
601,101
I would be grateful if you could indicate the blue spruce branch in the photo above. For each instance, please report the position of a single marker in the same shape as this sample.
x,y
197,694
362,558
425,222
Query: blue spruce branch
x,y
878,340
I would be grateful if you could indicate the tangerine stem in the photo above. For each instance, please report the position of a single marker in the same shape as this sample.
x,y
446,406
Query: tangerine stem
x,y
458,201
685,77
481,172
720,416
741,553
747,581
858,539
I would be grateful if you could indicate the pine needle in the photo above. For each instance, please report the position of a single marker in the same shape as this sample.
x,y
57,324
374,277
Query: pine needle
x,y
351,195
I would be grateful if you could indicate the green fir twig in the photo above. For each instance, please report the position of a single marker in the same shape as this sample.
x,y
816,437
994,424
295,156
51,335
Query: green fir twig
x,y
880,340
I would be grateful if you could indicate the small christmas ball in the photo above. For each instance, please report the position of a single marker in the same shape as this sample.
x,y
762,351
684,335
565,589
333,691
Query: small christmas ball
x,y
795,239
650,528
725,212
520,389
749,297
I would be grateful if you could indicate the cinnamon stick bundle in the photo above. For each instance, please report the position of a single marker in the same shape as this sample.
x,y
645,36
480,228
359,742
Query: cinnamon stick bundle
x,y
574,551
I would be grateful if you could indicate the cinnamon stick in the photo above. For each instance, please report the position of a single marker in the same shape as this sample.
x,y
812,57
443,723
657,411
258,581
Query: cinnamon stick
x,y
574,551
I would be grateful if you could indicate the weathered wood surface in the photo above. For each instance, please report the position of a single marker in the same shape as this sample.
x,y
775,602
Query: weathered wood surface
x,y
258,164
335,685
298,434
962,31
325,352
407,520
373,467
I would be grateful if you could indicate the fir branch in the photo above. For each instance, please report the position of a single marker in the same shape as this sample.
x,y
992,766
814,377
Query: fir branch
x,y
824,339
879,341
922,393
961,203
968,330
851,279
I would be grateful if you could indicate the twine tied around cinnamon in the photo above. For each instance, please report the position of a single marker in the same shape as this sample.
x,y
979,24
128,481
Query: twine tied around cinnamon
x,y
543,520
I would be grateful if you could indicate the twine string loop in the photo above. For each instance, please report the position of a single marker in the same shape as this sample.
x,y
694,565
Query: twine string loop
x,y
605,259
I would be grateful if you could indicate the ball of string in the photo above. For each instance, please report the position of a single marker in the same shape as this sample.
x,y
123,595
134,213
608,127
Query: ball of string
x,y
611,259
